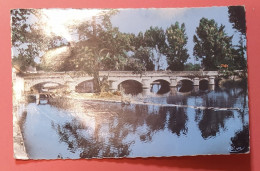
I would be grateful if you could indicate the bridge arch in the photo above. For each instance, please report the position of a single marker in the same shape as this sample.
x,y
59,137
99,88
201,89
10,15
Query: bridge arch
x,y
201,79
29,83
119,81
203,84
185,85
130,86
184,78
160,86
166,79
85,86
46,86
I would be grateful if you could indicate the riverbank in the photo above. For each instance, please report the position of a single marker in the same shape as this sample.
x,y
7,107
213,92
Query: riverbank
x,y
18,140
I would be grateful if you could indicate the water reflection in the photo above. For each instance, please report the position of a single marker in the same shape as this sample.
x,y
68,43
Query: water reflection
x,y
210,122
240,142
66,128
177,121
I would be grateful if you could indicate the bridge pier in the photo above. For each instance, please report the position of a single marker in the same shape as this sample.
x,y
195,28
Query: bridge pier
x,y
37,96
173,90
112,85
212,87
211,80
146,83
196,81
72,88
146,92
173,82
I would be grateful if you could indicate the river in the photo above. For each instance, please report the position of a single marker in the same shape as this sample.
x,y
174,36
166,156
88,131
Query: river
x,y
66,128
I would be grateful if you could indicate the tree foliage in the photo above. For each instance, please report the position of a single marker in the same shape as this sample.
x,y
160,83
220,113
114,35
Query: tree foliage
x,y
28,37
175,49
142,54
142,60
101,47
191,67
212,45
237,18
239,59
21,35
154,38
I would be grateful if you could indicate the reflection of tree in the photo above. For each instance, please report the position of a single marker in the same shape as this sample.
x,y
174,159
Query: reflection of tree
x,y
156,121
240,142
109,136
178,99
212,121
177,121
114,126
117,127
93,146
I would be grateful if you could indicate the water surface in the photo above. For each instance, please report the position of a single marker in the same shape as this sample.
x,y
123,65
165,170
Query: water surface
x,y
64,128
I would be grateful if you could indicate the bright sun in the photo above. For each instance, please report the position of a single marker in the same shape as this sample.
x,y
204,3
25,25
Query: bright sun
x,y
57,21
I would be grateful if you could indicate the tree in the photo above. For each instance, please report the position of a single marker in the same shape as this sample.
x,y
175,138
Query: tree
x,y
155,38
176,52
101,47
28,37
239,60
142,60
212,45
142,55
21,31
237,18
191,67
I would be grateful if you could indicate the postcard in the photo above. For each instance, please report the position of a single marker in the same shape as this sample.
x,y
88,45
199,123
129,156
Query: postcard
x,y
126,83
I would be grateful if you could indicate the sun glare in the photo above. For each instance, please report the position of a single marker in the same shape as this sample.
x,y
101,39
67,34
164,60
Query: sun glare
x,y
57,21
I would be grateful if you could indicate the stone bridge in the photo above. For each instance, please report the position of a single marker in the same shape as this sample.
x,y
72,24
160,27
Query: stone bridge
x,y
115,78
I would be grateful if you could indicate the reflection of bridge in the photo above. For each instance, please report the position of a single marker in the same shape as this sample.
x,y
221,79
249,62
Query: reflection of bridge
x,y
115,78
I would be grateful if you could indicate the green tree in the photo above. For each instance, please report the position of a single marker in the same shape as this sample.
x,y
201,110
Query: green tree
x,y
101,47
143,60
23,45
239,59
191,67
176,52
212,45
28,38
142,54
237,18
154,38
